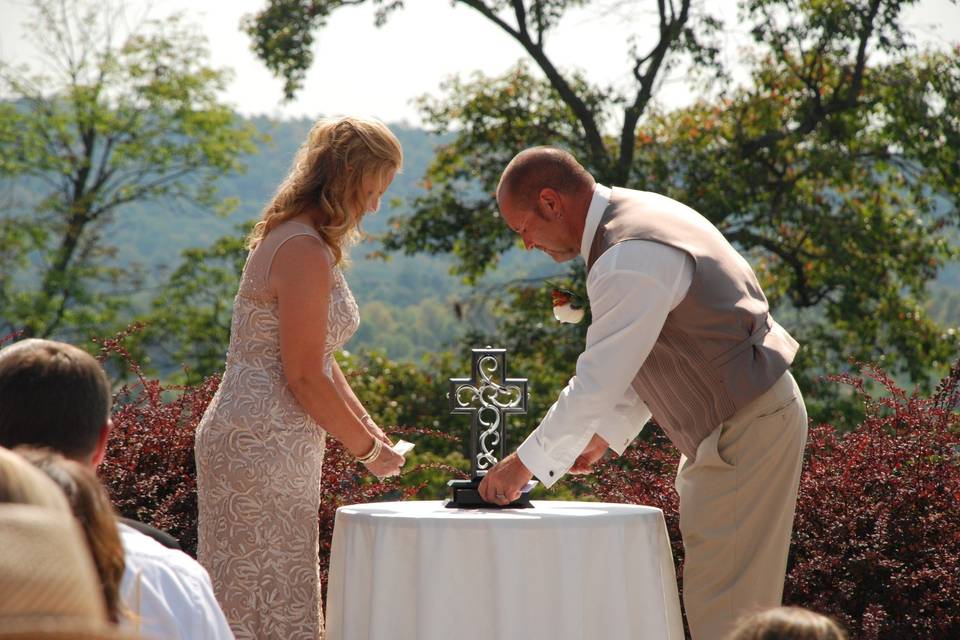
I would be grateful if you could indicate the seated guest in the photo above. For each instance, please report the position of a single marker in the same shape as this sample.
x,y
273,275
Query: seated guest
x,y
22,483
50,421
57,396
92,508
48,587
47,580
787,623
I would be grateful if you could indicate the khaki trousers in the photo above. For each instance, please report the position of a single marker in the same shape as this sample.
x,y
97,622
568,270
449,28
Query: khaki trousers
x,y
737,500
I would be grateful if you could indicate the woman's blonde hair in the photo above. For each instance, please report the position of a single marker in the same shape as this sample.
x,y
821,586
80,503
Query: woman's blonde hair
x,y
327,179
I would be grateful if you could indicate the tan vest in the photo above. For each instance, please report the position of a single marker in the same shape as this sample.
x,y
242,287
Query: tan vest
x,y
720,348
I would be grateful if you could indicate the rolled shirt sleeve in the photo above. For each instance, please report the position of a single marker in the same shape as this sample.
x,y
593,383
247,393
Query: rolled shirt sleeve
x,y
632,288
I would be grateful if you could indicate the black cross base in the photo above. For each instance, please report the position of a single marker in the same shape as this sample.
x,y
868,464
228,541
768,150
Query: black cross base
x,y
466,495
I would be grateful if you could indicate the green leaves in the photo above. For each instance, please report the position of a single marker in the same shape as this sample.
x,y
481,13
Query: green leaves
x,y
118,123
832,171
190,320
283,34
494,117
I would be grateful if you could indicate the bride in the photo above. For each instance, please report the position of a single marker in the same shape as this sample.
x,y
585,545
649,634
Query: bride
x,y
260,444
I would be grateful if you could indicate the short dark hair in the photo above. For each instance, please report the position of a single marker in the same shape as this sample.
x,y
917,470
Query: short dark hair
x,y
52,395
539,168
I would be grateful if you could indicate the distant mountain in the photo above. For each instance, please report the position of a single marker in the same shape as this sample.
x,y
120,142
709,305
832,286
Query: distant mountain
x,y
406,303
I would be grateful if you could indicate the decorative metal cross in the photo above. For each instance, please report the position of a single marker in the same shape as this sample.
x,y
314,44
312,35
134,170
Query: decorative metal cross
x,y
489,403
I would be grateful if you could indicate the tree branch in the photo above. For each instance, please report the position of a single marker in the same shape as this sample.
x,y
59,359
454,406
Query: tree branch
x,y
670,30
805,296
598,154
819,113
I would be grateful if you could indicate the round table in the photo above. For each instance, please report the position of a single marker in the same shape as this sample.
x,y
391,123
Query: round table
x,y
561,570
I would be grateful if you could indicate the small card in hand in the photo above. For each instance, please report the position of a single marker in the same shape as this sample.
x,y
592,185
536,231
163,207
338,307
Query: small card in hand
x,y
402,447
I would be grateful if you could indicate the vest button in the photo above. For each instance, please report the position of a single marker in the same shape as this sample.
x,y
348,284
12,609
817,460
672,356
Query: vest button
x,y
551,474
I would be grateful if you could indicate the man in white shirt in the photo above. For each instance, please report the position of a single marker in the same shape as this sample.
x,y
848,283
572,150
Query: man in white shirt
x,y
168,592
57,396
680,330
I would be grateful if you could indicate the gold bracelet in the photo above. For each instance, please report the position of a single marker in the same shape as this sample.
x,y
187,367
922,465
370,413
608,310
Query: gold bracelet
x,y
373,453
367,420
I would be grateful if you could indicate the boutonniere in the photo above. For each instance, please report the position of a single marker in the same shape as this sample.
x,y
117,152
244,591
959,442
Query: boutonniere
x,y
567,306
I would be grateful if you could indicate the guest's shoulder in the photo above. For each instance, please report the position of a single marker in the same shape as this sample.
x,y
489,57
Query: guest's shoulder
x,y
146,554
169,592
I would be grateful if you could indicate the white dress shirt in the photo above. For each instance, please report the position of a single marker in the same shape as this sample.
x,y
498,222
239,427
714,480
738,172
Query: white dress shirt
x,y
632,287
168,593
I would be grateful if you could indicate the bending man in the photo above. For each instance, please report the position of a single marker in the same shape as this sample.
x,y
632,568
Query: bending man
x,y
681,331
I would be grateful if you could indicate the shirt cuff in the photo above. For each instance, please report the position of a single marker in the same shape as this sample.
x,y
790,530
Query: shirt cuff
x,y
544,467
619,433
625,423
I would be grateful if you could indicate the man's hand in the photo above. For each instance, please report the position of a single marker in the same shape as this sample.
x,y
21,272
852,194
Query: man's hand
x,y
590,454
503,482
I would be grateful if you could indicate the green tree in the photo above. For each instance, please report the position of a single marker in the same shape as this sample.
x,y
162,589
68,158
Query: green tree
x,y
825,169
189,323
111,119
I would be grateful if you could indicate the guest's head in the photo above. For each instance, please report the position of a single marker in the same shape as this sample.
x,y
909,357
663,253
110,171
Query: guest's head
x,y
338,175
22,483
48,588
787,623
544,195
54,395
92,508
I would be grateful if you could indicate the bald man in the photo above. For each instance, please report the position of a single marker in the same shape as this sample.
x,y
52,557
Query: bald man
x,y
681,331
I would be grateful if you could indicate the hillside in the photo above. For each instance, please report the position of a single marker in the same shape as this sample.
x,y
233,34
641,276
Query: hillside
x,y
406,302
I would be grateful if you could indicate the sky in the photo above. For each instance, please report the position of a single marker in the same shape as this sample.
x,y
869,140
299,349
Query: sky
x,y
362,70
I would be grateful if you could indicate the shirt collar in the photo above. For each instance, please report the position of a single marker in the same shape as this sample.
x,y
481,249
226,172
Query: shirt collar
x,y
598,204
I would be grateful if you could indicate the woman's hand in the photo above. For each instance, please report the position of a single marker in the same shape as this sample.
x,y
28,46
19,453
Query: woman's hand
x,y
387,463
377,432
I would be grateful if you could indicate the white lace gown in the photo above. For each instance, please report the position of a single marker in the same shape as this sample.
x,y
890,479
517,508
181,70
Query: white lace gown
x,y
259,457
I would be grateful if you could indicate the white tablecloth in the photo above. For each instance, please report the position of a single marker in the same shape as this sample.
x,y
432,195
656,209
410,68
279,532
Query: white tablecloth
x,y
577,570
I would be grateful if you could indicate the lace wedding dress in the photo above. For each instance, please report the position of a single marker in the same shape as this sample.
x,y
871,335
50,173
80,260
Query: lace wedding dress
x,y
258,458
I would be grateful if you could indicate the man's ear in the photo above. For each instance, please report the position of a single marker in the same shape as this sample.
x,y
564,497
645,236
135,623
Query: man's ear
x,y
550,201
101,451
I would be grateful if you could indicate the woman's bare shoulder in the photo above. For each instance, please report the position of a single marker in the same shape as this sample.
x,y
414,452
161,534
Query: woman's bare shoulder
x,y
301,259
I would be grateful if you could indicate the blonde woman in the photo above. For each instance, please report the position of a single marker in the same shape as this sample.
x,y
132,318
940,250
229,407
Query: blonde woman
x,y
260,444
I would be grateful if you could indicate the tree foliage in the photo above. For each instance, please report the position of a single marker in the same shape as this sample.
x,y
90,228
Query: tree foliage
x,y
190,319
112,118
834,169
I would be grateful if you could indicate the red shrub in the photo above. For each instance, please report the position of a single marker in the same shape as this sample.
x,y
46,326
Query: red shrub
x,y
877,532
876,539
150,473
149,469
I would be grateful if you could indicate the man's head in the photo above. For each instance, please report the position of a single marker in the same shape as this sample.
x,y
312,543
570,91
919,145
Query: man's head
x,y
543,196
54,395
